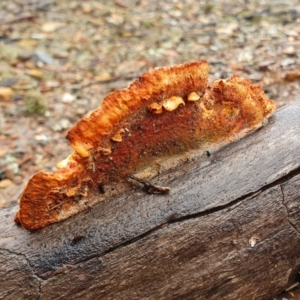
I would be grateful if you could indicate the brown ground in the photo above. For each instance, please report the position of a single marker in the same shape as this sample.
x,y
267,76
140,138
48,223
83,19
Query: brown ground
x,y
59,58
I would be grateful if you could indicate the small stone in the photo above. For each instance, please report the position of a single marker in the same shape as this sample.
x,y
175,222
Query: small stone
x,y
41,138
67,98
5,183
61,125
36,73
80,111
6,93
290,50
287,62
43,57
11,163
245,57
65,123
3,152
86,8
9,82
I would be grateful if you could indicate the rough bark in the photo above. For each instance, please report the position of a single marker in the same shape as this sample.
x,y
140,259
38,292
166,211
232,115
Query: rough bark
x,y
194,243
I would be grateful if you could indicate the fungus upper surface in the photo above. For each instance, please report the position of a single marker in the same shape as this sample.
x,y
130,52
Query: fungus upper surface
x,y
166,112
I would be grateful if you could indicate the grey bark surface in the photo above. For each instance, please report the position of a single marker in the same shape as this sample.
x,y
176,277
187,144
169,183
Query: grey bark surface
x,y
194,243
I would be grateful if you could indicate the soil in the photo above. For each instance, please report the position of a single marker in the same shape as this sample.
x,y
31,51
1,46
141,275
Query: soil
x,y
58,59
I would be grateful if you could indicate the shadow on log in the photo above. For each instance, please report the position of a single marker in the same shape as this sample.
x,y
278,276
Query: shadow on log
x,y
229,229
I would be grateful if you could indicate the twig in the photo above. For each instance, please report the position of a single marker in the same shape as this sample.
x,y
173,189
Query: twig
x,y
57,205
19,19
151,188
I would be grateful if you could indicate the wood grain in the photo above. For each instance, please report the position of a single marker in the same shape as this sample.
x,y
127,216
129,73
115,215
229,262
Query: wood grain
x,y
190,244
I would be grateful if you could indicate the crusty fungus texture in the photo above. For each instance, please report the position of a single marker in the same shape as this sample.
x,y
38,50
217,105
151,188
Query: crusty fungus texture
x,y
165,113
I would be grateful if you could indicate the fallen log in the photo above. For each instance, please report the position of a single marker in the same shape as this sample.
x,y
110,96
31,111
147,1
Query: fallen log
x,y
229,229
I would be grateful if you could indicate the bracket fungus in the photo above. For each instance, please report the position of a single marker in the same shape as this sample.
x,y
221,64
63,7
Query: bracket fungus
x,y
166,112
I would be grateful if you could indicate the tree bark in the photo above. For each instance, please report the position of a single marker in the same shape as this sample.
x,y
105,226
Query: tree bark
x,y
229,229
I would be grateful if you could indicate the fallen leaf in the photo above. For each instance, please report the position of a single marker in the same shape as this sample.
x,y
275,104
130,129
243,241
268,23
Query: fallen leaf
x,y
115,19
235,66
95,21
9,82
5,183
290,50
6,93
104,76
60,54
293,75
49,85
9,174
80,38
228,30
27,43
264,65
24,159
25,83
36,73
51,26
86,8
120,4
2,152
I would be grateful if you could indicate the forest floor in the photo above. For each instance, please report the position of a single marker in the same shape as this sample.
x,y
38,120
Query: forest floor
x,y
58,59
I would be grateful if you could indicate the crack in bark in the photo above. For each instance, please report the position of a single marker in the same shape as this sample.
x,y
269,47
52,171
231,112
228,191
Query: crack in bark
x,y
287,211
31,268
209,211
193,216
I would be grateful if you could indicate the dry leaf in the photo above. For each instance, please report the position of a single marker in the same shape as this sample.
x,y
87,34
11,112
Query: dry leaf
x,y
5,183
51,26
293,75
36,73
86,8
95,21
6,93
27,43
264,65
104,76
3,152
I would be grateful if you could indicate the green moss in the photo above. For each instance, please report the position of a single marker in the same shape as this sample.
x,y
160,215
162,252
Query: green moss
x,y
35,103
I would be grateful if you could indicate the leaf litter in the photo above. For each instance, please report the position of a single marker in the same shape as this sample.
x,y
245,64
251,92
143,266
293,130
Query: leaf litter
x,y
58,59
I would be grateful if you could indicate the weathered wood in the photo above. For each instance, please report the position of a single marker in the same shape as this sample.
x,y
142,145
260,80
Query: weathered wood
x,y
191,244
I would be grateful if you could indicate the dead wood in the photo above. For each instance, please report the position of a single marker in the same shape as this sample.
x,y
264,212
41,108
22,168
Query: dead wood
x,y
228,229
